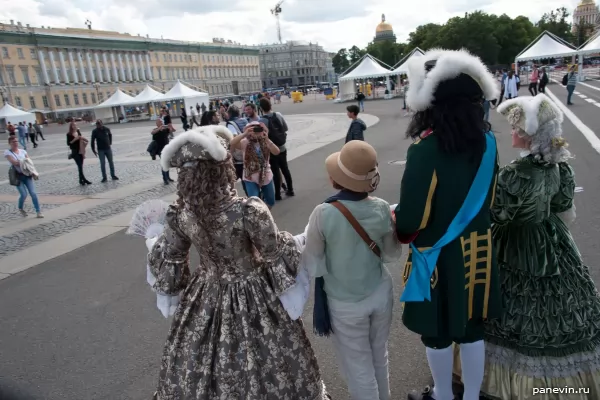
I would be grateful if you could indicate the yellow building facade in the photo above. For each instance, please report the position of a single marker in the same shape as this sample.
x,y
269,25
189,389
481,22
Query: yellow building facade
x,y
66,72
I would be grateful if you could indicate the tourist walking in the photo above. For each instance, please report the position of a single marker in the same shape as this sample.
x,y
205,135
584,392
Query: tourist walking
x,y
202,108
38,131
533,80
278,129
543,81
103,137
31,133
22,132
231,337
194,116
236,125
160,138
77,144
510,84
571,83
357,128
184,119
349,237
22,175
257,149
548,336
360,97
450,277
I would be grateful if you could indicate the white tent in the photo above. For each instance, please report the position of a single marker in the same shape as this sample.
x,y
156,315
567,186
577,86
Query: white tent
x,y
591,46
106,111
547,45
368,68
189,96
148,95
403,67
14,115
119,98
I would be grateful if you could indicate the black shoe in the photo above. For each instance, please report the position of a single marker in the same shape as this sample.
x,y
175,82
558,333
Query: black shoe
x,y
166,183
114,178
171,180
278,197
569,104
104,180
290,193
284,186
87,182
82,183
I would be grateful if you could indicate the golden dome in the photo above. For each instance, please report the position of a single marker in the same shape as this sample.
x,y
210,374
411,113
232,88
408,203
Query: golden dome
x,y
384,27
586,3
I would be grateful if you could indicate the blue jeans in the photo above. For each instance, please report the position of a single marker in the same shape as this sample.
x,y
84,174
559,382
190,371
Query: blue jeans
x,y
104,155
268,192
361,104
23,142
570,90
27,185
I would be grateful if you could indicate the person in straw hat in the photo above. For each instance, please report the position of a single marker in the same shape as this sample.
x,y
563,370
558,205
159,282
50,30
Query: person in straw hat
x,y
450,278
231,336
549,334
348,239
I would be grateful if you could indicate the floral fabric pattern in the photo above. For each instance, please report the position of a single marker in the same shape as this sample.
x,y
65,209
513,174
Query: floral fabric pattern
x,y
231,338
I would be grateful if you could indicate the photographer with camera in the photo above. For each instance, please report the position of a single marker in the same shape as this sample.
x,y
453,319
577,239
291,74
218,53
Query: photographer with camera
x,y
256,149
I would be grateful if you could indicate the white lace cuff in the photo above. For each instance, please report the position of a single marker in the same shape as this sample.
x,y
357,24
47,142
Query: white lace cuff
x,y
295,298
166,304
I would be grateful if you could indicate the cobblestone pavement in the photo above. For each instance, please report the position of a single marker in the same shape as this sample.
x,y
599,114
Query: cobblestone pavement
x,y
58,175
9,211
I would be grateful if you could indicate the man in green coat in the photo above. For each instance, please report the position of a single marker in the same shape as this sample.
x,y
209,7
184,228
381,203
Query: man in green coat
x,y
450,141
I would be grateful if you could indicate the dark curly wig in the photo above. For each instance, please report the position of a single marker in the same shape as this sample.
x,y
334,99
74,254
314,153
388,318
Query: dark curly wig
x,y
207,186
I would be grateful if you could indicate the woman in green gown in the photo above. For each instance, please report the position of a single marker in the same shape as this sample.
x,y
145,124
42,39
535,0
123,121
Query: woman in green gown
x,y
546,346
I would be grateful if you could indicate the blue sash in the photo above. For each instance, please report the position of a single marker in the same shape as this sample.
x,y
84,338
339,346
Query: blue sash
x,y
423,263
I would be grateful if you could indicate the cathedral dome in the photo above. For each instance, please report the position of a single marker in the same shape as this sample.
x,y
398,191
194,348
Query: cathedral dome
x,y
384,32
384,27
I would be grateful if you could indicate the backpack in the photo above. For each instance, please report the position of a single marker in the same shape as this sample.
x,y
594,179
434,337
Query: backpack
x,y
276,132
565,80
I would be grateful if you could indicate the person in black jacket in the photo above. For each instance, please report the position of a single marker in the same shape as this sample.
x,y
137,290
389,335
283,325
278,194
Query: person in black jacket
x,y
357,126
160,136
102,136
543,81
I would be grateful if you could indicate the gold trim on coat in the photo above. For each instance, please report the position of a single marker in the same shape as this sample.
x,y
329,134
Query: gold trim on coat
x,y
427,211
472,270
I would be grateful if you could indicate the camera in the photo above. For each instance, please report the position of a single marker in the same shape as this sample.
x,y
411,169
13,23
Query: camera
x,y
258,129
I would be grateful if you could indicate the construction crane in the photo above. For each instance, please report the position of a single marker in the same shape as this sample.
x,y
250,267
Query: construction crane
x,y
276,11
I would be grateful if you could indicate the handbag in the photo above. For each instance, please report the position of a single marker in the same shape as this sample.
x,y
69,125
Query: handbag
x,y
359,229
14,176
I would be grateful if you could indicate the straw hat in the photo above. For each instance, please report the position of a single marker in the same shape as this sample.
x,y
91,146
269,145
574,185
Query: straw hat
x,y
354,167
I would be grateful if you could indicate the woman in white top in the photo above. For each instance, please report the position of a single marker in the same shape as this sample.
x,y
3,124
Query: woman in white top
x,y
14,155
353,289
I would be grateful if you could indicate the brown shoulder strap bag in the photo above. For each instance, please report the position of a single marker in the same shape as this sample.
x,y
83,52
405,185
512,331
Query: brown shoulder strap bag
x,y
359,229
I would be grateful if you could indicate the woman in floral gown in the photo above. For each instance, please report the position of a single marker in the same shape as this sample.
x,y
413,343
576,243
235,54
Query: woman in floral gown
x,y
231,338
549,335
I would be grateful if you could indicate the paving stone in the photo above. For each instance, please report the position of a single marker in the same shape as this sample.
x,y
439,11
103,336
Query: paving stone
x,y
10,212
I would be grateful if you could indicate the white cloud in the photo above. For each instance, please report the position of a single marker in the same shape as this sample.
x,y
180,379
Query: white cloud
x,y
331,23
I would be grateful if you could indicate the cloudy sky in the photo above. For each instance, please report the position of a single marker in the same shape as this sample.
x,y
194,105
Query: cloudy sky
x,y
332,23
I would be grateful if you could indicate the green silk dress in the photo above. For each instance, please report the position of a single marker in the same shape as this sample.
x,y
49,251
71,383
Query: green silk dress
x,y
549,333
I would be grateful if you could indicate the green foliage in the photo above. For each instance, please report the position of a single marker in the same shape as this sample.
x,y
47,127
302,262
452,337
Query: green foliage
x,y
341,61
495,39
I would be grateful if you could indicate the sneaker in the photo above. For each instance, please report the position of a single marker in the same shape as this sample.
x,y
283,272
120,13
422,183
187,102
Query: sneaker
x,y
290,193
104,180
23,212
114,178
40,215
278,197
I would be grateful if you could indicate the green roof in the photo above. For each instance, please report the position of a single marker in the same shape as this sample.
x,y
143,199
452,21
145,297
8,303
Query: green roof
x,y
43,40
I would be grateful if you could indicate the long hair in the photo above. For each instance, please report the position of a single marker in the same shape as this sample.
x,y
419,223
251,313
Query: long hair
x,y
459,126
203,187
207,118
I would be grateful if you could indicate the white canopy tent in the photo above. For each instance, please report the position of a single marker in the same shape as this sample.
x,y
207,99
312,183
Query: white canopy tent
x,y
403,67
591,46
11,114
546,45
368,67
107,109
190,97
148,95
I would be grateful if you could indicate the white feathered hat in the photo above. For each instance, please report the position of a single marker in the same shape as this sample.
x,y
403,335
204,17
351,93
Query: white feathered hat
x,y
528,113
207,143
456,73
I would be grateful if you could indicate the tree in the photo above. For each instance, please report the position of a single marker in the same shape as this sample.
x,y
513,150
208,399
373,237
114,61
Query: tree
x,y
424,37
387,51
582,32
340,61
556,22
355,54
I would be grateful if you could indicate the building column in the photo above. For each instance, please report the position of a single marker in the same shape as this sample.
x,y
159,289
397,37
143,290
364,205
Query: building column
x,y
63,67
148,68
121,68
43,66
128,64
88,59
53,66
98,68
81,67
141,64
106,67
72,64
114,67
136,73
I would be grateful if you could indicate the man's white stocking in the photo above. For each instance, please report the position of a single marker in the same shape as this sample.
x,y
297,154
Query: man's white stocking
x,y
440,363
472,360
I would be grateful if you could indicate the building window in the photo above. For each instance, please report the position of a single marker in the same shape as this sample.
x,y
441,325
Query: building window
x,y
45,101
159,73
5,52
93,95
11,75
170,57
76,99
18,101
33,54
57,100
156,57
20,53
32,101
25,72
84,97
213,57
67,100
